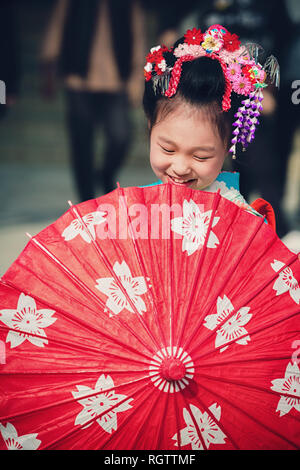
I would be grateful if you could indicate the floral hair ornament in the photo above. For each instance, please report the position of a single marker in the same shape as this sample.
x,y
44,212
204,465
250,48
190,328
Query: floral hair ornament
x,y
243,73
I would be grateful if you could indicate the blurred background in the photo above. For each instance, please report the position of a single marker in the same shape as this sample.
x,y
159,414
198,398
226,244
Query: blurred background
x,y
71,119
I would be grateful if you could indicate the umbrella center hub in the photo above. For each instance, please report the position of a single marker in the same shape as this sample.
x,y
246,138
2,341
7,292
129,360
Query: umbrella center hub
x,y
172,369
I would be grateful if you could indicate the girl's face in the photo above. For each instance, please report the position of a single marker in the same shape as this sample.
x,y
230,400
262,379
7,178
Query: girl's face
x,y
186,148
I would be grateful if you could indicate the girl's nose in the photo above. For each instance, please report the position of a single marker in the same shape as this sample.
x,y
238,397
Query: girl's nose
x,y
181,166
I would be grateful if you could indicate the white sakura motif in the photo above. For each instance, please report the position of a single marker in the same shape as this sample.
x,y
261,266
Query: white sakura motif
x,y
134,286
210,431
27,322
289,386
15,442
286,281
95,405
84,228
193,227
233,328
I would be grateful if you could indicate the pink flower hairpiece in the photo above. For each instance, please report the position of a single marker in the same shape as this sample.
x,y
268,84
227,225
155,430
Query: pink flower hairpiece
x,y
243,74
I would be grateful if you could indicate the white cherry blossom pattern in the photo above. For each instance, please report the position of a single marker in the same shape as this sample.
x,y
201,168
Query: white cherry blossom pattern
x,y
193,227
103,404
206,425
77,227
289,388
27,323
134,286
286,281
15,442
233,328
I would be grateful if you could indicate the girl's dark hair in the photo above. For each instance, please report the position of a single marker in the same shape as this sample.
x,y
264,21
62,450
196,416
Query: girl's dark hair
x,y
202,84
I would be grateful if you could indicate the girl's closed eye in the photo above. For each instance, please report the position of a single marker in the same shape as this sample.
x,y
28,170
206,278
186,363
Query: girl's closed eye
x,y
201,159
167,150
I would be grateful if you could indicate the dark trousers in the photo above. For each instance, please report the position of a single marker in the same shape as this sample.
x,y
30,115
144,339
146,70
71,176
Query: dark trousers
x,y
85,110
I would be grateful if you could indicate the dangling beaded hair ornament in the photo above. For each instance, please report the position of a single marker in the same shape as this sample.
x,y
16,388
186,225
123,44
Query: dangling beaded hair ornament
x,y
243,74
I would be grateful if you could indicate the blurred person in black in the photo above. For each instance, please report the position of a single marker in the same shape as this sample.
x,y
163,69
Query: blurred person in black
x,y
10,56
97,46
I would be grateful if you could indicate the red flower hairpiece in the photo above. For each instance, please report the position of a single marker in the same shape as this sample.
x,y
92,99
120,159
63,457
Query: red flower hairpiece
x,y
231,42
155,62
193,36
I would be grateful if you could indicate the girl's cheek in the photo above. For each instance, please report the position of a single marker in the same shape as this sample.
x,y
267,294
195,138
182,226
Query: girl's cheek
x,y
158,160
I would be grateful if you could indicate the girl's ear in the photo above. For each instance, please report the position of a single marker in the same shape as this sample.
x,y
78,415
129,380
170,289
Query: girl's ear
x,y
149,124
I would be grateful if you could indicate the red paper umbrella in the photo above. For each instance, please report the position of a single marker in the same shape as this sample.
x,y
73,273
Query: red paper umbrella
x,y
152,318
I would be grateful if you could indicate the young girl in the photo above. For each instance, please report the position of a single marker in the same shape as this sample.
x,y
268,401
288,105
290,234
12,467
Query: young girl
x,y
193,92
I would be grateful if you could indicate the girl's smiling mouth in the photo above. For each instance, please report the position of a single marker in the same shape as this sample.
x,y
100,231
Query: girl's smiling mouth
x,y
180,182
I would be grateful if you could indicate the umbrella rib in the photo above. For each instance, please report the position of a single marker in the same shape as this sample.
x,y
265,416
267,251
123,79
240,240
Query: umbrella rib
x,y
82,372
69,345
84,288
263,425
125,421
162,420
236,309
142,265
215,204
101,254
76,320
143,425
176,398
59,342
238,361
171,276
